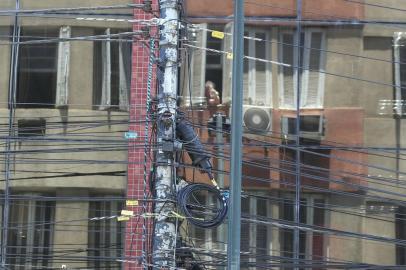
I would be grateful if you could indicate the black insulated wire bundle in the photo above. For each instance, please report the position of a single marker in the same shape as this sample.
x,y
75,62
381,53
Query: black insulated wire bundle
x,y
192,144
198,211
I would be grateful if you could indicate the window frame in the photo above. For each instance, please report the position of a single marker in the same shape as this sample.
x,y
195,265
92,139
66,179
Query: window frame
x,y
106,69
227,64
102,231
60,88
252,83
398,105
27,211
310,202
305,70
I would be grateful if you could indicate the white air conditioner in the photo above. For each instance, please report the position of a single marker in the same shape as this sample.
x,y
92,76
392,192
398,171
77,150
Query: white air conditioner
x,y
257,119
311,127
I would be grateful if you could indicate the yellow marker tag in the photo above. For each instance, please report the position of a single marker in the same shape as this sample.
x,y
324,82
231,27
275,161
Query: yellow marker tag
x,y
122,218
131,203
214,182
217,34
229,56
127,213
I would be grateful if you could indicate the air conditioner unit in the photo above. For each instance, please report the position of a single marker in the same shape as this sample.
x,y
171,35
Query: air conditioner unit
x,y
311,127
257,119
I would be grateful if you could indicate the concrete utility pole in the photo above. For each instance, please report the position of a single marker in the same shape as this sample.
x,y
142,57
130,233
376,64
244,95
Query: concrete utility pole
x,y
164,238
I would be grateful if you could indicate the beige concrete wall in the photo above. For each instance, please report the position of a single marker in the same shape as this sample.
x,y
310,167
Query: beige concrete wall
x,y
378,252
4,68
385,14
70,231
7,5
340,247
45,4
380,72
340,91
90,161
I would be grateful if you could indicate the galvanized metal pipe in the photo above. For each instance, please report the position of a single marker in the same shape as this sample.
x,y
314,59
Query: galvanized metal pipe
x,y
296,234
234,221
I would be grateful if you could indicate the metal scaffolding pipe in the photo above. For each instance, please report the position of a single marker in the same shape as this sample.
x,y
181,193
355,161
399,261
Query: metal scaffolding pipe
x,y
234,219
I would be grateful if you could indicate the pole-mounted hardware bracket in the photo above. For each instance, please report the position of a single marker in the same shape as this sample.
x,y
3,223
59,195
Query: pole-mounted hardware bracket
x,y
171,146
147,6
145,32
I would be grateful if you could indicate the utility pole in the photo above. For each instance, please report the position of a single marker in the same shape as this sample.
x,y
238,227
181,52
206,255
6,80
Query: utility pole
x,y
296,231
220,167
164,237
8,156
234,218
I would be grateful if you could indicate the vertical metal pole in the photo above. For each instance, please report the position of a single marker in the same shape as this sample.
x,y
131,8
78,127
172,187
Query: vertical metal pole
x,y
219,141
220,175
7,163
165,229
296,238
234,219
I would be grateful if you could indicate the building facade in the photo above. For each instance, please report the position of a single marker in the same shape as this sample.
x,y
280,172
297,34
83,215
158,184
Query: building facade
x,y
66,76
349,78
65,106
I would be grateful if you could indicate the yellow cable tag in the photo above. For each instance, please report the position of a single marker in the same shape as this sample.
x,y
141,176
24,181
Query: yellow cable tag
x,y
131,203
127,213
177,215
217,34
123,218
229,56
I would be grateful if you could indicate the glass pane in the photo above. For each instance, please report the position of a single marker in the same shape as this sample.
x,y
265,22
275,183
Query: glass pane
x,y
262,85
288,72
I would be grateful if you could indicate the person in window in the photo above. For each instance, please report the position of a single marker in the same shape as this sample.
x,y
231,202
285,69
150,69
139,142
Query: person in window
x,y
212,95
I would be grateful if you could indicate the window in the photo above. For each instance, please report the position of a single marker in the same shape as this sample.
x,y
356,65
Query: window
x,y
105,236
112,73
193,74
257,74
257,77
43,69
400,234
400,72
312,60
30,234
255,237
315,164
214,67
31,127
311,246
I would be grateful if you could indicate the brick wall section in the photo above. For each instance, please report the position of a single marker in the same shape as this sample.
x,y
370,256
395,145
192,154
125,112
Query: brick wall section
x,y
135,184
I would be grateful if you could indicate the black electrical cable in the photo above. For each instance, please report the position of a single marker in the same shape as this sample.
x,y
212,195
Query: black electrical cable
x,y
196,212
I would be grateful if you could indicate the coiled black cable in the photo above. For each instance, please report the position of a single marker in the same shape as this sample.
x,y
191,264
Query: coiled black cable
x,y
197,211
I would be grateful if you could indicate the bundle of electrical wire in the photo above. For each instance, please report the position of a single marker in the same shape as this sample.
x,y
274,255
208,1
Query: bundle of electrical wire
x,y
198,213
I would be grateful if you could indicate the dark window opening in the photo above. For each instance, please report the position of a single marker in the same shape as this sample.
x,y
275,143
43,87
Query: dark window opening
x,y
214,69
31,127
37,70
287,235
314,167
311,213
401,235
108,70
402,72
105,236
30,234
